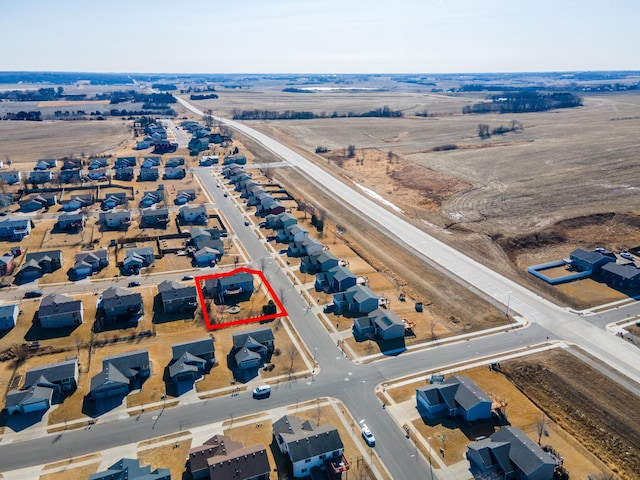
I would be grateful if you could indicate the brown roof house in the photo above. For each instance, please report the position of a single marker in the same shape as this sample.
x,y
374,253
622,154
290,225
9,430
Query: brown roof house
x,y
221,458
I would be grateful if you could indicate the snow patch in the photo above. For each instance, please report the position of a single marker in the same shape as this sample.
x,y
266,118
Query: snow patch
x,y
373,194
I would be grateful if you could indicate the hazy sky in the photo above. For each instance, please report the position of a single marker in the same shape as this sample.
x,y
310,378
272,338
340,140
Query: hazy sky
x,y
319,36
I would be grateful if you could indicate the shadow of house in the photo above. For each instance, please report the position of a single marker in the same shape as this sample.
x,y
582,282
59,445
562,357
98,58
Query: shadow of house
x,y
120,375
130,469
251,350
43,387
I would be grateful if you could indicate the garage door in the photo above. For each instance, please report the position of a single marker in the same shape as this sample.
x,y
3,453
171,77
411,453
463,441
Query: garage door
x,y
35,407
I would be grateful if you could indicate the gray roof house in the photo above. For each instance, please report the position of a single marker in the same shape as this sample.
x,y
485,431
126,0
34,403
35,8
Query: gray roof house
x,y
43,386
195,214
136,258
336,279
125,173
457,396
190,359
60,311
120,374
320,261
584,260
175,173
177,296
69,175
88,262
151,198
150,174
120,304
355,300
71,221
78,201
9,316
14,228
174,162
621,275
38,263
117,220
383,324
221,458
228,286
155,217
10,176
124,162
130,469
308,446
114,199
307,247
185,196
509,453
40,176
253,348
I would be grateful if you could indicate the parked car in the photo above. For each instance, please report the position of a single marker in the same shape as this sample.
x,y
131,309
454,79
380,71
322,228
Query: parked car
x,y
368,436
187,277
626,255
329,308
246,223
134,284
33,294
262,391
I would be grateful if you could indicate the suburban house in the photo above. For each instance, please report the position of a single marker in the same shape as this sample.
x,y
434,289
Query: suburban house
x,y
46,163
177,296
60,311
383,324
40,176
307,247
136,258
98,174
73,222
69,176
38,263
206,160
321,261
150,162
510,454
195,214
150,174
120,374
151,198
6,264
88,262
280,221
13,228
130,469
270,206
124,174
253,348
336,279
43,386
9,316
10,176
113,200
227,287
294,233
237,159
97,163
174,173
309,446
38,201
71,164
221,458
117,220
626,276
229,170
206,256
190,359
358,299
124,162
584,260
155,217
185,196
457,396
78,201
121,305
174,162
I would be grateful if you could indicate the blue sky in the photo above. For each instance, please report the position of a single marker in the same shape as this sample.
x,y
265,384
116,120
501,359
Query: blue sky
x,y
313,36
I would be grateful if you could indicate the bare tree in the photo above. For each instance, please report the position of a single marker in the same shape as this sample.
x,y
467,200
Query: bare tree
x,y
483,130
351,149
432,326
292,354
542,423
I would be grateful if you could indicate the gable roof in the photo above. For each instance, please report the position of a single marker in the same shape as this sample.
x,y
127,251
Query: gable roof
x,y
53,372
305,439
58,304
195,347
129,469
259,335
116,296
172,290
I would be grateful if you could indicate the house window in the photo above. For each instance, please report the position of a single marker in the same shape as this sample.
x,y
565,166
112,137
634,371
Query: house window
x,y
307,460
321,457
303,470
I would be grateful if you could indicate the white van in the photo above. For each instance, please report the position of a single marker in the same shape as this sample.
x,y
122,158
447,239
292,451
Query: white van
x,y
262,391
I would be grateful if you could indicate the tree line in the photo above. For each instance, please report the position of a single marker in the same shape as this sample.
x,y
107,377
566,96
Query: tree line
x,y
524,101
306,115
39,95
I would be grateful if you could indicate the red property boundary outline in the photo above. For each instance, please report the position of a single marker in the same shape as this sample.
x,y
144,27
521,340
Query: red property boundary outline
x,y
282,312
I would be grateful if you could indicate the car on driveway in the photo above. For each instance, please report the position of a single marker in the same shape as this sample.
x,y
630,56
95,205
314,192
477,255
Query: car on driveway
x,y
626,255
368,436
134,284
262,391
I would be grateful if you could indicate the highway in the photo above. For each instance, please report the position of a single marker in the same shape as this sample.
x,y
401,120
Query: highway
x,y
352,384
